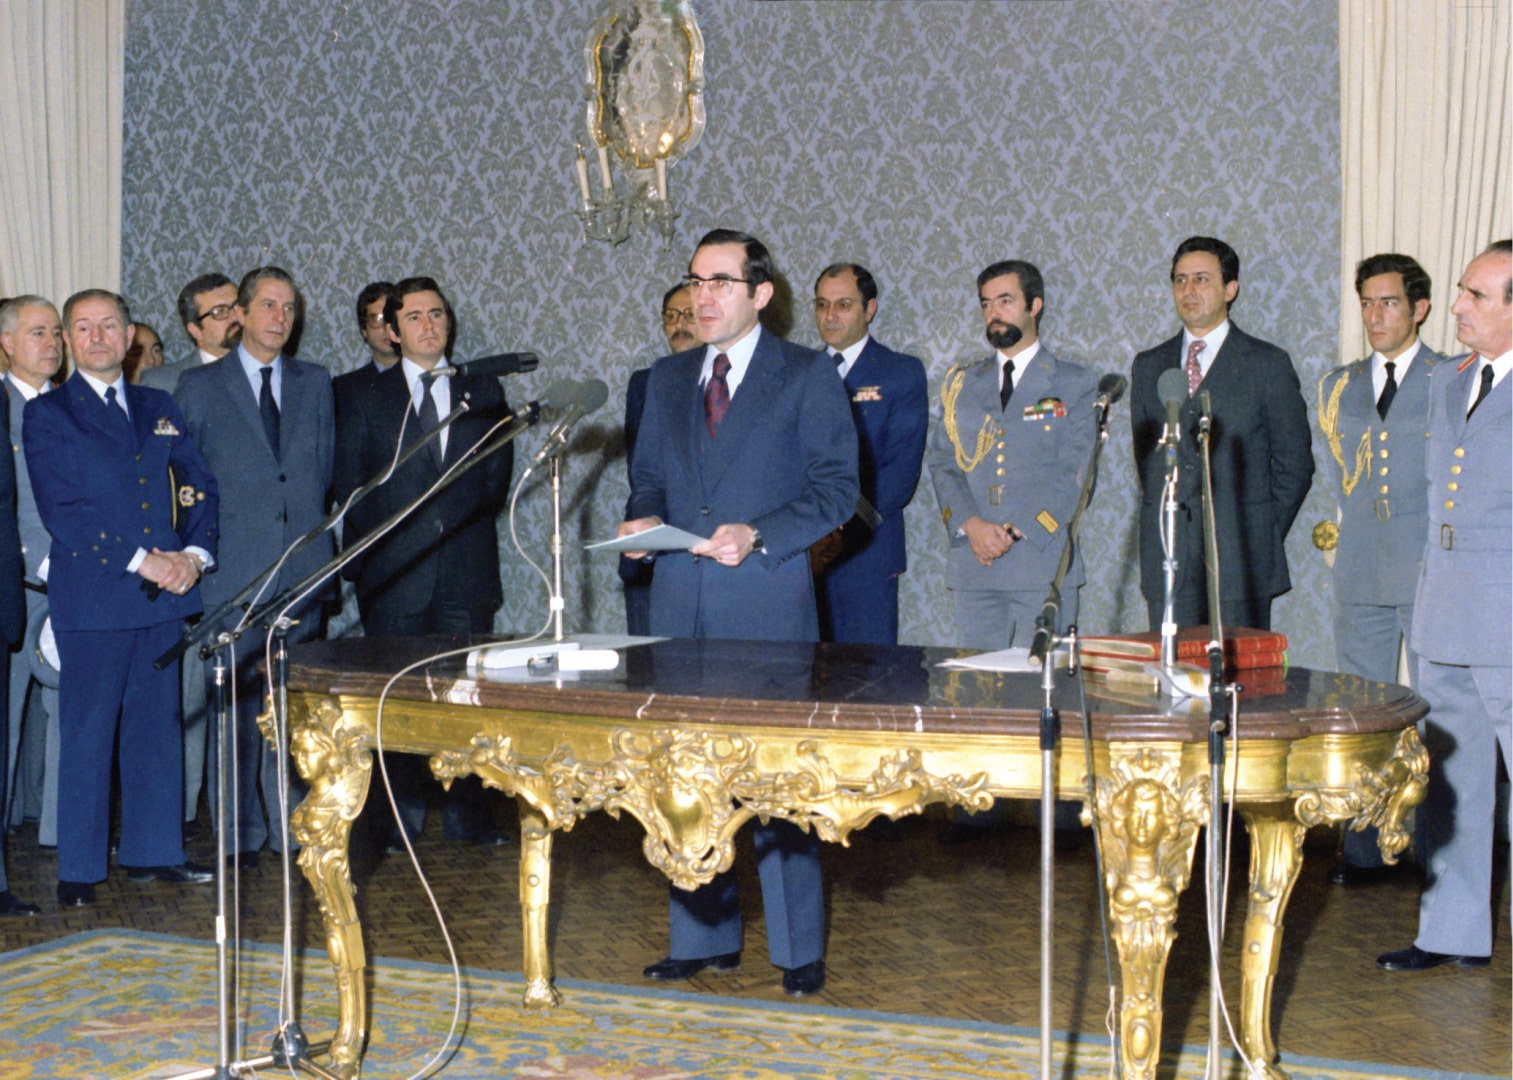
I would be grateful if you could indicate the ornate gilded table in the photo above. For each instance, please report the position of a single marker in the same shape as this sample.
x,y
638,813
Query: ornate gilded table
x,y
694,738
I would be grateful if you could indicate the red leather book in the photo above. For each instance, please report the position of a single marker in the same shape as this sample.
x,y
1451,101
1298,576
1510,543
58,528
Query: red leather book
x,y
1244,648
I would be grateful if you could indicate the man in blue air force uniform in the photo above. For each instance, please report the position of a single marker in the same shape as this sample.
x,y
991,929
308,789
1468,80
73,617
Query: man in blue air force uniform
x,y
1007,461
1461,622
1373,414
747,441
131,507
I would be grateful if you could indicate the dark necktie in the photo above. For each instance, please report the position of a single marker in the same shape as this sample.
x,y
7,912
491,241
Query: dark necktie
x,y
118,413
1006,390
717,395
1194,369
839,358
429,420
268,408
1389,391
1483,390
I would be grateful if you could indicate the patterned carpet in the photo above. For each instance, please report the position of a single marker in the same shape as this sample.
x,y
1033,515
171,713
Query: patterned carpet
x,y
142,1006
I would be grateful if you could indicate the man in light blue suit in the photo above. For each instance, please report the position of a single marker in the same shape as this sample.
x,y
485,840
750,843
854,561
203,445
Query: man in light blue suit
x,y
1373,414
858,585
40,335
208,311
1461,621
131,508
747,441
32,336
1007,461
263,422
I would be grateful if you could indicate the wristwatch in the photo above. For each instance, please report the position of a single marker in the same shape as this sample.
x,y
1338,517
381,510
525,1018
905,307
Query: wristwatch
x,y
756,540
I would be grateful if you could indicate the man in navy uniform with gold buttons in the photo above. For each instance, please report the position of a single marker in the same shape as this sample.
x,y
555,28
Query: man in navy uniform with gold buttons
x,y
1461,622
131,508
1373,414
1007,461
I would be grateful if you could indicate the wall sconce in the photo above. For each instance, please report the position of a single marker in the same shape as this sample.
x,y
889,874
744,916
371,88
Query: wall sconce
x,y
645,94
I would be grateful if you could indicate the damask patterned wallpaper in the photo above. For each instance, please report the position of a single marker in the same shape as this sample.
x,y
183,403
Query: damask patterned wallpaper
x,y
376,138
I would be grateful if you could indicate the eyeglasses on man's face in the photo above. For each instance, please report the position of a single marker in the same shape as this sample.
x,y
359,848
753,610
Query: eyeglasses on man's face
x,y
219,313
674,316
720,285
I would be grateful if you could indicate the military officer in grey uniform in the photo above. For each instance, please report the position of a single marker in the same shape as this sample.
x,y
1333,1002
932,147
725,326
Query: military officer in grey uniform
x,y
1007,462
1373,414
1461,621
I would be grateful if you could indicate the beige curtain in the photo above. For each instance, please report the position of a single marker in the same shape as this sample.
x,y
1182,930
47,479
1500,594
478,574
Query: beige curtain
x,y
1424,141
61,85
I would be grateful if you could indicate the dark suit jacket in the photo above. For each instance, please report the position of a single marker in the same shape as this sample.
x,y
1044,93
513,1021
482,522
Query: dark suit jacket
x,y
634,571
451,541
352,382
1261,453
103,494
784,463
266,502
890,405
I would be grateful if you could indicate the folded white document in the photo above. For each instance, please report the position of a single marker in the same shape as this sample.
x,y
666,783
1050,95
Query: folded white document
x,y
656,538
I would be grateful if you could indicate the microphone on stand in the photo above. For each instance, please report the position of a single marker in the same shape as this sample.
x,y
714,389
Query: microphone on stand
x,y
1110,389
1205,413
588,396
1171,388
500,364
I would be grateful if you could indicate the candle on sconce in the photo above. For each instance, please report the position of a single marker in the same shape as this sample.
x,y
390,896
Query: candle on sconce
x,y
604,170
662,179
582,164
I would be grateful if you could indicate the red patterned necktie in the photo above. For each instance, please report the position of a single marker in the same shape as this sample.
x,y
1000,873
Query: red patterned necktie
x,y
717,395
1194,371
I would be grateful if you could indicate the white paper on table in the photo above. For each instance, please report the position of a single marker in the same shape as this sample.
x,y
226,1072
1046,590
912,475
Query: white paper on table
x,y
656,538
1008,660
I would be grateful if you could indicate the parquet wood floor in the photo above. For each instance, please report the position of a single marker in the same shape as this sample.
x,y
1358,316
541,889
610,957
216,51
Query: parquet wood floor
x,y
916,927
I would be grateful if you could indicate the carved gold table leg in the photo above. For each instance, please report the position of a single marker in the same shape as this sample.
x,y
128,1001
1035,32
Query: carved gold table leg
x,y
1148,826
535,895
333,755
1276,856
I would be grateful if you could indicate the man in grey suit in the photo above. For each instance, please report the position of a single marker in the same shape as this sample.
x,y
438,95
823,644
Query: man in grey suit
x,y
32,337
1461,621
207,308
748,442
264,423
1007,461
1261,449
1372,414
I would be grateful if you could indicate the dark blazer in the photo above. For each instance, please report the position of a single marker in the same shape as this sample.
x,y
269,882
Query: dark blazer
x,y
266,502
635,571
1261,452
166,377
452,539
890,405
785,463
352,382
102,495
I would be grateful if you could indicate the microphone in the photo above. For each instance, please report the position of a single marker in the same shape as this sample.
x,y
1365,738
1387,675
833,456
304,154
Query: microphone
x,y
501,364
1110,389
587,397
1206,413
1171,388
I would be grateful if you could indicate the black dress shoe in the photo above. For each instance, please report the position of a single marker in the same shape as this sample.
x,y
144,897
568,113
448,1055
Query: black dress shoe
x,y
808,979
75,894
244,860
1344,873
483,836
670,970
1415,959
186,873
14,906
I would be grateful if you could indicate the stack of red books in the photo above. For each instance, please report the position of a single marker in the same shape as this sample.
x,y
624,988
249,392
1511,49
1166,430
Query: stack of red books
x,y
1123,657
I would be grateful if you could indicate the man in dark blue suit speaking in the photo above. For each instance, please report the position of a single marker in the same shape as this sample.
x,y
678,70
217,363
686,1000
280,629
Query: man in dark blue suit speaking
x,y
858,582
131,508
747,441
